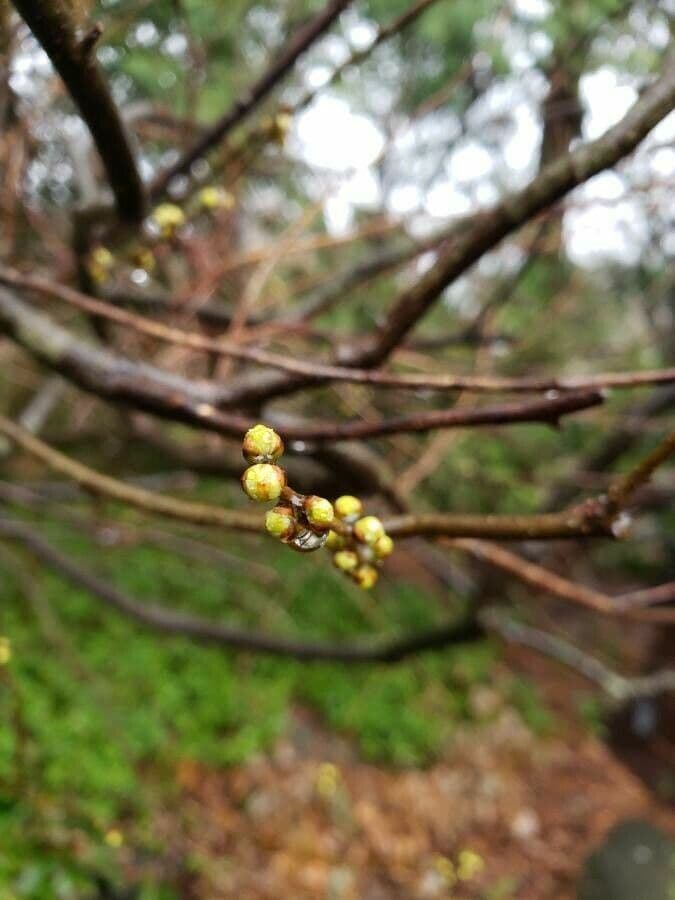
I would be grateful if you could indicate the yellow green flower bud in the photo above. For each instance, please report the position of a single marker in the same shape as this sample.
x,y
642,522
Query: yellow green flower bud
x,y
346,560
114,838
366,576
334,541
213,197
144,258
100,264
383,546
280,126
347,507
263,482
327,780
262,444
168,218
368,530
319,512
280,523
470,865
5,650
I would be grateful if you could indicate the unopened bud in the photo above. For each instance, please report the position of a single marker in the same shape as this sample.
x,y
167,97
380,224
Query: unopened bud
x,y
366,577
280,523
369,530
143,258
212,197
262,444
100,264
383,547
168,218
263,482
319,512
346,560
5,650
280,127
348,507
334,541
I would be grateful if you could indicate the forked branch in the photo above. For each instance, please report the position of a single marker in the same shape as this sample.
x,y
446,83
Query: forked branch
x,y
74,58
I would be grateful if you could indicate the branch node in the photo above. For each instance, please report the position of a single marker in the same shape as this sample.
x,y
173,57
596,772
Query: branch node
x,y
90,39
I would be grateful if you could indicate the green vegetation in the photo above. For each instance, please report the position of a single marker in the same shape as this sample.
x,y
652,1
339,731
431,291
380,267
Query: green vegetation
x,y
96,710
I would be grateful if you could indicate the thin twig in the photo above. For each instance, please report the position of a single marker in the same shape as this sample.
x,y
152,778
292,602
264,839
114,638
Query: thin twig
x,y
551,583
123,492
625,486
200,403
319,371
619,687
172,622
244,106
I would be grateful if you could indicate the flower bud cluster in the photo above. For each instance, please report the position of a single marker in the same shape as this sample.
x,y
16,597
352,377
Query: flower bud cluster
x,y
165,223
168,219
299,521
100,262
358,543
361,544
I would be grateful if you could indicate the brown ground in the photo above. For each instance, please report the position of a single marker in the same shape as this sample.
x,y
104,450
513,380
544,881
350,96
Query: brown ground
x,y
290,827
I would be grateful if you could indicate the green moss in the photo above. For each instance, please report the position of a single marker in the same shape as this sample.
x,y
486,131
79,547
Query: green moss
x,y
99,711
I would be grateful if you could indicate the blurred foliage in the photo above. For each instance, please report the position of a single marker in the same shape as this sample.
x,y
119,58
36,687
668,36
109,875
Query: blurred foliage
x,y
103,711
98,714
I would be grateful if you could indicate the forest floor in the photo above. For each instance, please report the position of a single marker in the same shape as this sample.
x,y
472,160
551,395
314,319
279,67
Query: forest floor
x,y
504,814
133,766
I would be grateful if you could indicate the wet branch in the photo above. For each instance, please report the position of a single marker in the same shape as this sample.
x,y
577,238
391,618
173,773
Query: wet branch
x,y
74,58
169,621
146,387
468,242
322,372
244,106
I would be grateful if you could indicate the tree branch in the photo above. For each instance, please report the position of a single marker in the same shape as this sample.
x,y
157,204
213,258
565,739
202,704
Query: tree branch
x,y
619,687
146,387
551,583
625,486
75,61
585,520
581,521
321,372
244,106
467,242
628,432
171,622
123,492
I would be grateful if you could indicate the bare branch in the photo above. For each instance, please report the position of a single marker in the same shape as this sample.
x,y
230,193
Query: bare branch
x,y
123,492
171,622
624,487
581,521
469,241
619,687
146,387
40,407
75,61
584,520
627,433
245,105
551,583
385,33
320,372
